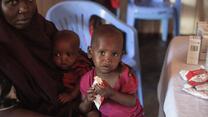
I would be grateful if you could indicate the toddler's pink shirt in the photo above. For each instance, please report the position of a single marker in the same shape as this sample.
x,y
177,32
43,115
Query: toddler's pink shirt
x,y
127,83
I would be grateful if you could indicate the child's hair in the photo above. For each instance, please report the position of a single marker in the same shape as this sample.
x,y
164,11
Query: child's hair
x,y
67,35
107,30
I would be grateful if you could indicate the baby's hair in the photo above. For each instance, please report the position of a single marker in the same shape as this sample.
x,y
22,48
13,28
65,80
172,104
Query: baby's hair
x,y
106,30
67,34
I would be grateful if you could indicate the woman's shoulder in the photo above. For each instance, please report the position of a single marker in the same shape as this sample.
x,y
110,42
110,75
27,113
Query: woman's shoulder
x,y
47,26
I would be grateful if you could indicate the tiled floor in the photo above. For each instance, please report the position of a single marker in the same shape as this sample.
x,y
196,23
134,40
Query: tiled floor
x,y
152,53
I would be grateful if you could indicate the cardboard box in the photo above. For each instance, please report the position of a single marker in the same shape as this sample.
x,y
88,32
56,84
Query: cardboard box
x,y
193,50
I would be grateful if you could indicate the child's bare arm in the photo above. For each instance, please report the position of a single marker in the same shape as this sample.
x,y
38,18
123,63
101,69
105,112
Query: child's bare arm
x,y
75,91
87,101
69,96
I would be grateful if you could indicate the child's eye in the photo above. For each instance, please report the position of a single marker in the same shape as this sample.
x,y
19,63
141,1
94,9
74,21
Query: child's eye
x,y
102,53
12,2
57,54
115,54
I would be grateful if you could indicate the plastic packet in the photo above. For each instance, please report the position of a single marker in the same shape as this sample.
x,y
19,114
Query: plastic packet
x,y
195,77
98,99
202,93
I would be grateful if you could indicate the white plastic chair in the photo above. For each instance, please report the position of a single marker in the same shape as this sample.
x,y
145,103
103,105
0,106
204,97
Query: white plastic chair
x,y
75,15
155,10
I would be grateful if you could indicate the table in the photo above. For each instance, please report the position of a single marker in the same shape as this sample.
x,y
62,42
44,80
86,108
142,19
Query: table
x,y
173,101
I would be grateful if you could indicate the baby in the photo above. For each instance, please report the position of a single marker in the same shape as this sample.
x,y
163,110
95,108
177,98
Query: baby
x,y
73,62
118,88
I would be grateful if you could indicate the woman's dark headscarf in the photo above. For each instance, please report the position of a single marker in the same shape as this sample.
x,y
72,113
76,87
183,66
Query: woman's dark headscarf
x,y
25,60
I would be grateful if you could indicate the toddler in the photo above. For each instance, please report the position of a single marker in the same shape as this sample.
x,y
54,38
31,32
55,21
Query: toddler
x,y
72,61
118,89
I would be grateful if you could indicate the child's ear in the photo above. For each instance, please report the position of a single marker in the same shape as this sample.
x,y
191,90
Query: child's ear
x,y
89,52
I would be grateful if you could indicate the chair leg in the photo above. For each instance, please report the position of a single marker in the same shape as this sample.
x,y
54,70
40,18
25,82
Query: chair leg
x,y
140,94
176,24
164,29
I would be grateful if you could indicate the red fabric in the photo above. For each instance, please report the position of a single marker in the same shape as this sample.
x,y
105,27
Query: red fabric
x,y
115,4
127,83
72,77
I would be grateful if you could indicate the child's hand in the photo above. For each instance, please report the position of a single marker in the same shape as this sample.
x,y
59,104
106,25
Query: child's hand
x,y
64,97
90,94
104,89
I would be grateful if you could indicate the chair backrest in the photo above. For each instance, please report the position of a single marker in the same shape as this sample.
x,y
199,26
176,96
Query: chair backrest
x,y
75,15
148,0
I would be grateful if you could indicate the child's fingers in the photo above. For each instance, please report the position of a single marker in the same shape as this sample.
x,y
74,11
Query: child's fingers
x,y
98,88
60,98
90,96
105,83
64,100
90,91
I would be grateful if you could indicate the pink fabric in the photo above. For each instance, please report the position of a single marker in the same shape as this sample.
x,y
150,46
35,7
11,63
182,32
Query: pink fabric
x,y
127,83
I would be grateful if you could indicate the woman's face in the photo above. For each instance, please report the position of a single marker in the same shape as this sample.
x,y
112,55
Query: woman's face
x,y
18,13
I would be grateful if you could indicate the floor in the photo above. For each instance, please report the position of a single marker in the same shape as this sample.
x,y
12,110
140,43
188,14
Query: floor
x,y
152,53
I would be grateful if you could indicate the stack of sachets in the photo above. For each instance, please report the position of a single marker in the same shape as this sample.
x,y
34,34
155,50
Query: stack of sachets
x,y
196,82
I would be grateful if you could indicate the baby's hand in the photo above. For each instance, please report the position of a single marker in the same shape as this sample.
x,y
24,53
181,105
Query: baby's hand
x,y
90,94
104,89
64,98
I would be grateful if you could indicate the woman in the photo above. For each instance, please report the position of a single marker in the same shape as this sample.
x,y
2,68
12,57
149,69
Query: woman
x,y
25,50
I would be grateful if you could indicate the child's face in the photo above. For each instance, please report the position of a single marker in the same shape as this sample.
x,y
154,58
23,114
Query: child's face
x,y
106,54
65,54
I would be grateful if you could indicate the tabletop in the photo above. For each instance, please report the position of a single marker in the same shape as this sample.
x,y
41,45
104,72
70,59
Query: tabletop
x,y
173,101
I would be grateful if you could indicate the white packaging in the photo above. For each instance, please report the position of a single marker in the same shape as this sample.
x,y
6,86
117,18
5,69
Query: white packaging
x,y
202,56
193,50
204,44
98,99
202,93
202,31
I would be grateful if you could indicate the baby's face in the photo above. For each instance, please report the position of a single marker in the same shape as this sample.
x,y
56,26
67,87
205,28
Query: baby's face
x,y
106,54
65,54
